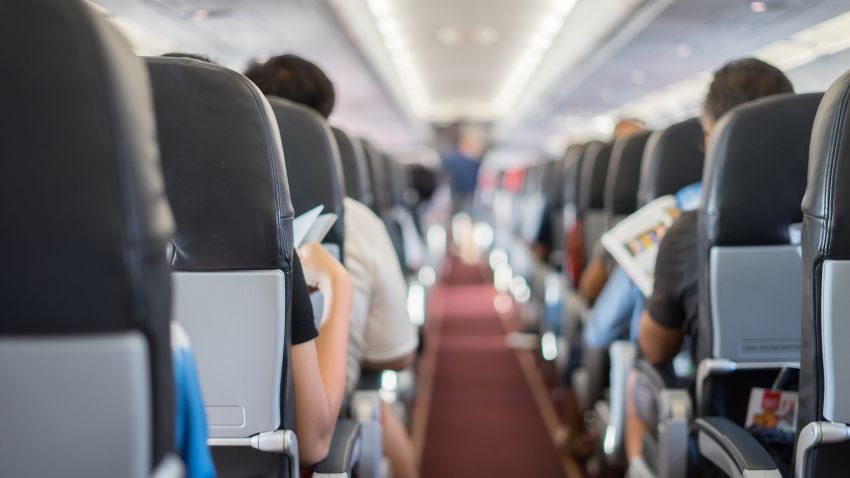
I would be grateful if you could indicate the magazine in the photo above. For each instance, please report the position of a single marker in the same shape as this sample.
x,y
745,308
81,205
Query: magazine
x,y
634,241
772,410
312,226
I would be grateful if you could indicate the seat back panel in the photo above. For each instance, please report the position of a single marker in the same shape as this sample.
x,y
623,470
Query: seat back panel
x,y
835,328
67,396
756,303
237,322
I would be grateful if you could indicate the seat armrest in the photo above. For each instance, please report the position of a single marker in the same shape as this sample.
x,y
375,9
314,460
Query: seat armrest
x,y
622,361
370,380
654,378
344,451
731,448
365,406
814,435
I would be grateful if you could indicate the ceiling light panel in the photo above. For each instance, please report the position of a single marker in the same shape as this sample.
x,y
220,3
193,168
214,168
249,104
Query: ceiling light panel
x,y
550,23
390,24
463,54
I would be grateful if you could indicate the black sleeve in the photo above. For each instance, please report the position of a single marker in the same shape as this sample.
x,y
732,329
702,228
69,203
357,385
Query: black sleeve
x,y
303,322
675,271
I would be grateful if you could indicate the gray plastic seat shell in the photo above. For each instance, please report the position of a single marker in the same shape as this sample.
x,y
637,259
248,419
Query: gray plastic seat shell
x,y
236,320
756,303
57,381
835,331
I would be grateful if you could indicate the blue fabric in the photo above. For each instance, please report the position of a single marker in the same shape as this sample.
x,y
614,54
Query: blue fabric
x,y
616,312
462,171
191,425
552,316
689,197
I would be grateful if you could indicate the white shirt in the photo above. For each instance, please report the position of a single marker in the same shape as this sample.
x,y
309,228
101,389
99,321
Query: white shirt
x,y
380,329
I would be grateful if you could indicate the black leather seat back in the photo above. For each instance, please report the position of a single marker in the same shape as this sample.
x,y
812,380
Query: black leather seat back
x,y
378,178
312,162
354,169
223,167
573,160
233,252
673,159
623,179
397,179
594,172
826,250
591,206
85,228
753,185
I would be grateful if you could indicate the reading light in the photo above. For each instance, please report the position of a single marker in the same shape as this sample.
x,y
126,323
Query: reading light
x,y
200,14
448,36
638,77
485,35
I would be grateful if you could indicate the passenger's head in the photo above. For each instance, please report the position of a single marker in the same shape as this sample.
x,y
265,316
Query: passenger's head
x,y
296,79
627,127
424,181
738,82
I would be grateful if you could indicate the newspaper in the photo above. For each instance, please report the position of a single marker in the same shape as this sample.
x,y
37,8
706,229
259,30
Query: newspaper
x,y
772,410
634,241
312,226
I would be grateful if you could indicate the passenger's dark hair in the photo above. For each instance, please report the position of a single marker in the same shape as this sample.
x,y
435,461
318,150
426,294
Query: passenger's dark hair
x,y
296,79
424,180
740,81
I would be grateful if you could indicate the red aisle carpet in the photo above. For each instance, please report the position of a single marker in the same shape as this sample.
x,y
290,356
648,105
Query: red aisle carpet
x,y
482,419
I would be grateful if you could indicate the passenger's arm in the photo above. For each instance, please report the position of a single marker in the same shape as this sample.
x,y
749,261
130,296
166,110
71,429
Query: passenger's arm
x,y
593,279
662,324
320,365
658,344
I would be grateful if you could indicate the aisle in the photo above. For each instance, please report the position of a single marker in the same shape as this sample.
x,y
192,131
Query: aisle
x,y
480,417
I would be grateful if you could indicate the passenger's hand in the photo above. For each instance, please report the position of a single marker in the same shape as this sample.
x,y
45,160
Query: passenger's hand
x,y
321,269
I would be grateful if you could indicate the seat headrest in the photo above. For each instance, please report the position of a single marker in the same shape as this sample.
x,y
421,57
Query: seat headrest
x,y
397,179
84,210
354,169
755,171
312,161
82,203
673,159
571,175
623,179
223,167
827,197
594,171
377,175
553,180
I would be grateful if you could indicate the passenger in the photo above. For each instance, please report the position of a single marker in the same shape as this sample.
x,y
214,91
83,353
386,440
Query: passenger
x,y
461,163
671,313
381,335
618,309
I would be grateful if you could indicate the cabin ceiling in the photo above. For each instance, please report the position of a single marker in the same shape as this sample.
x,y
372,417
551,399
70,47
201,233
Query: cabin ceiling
x,y
538,71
